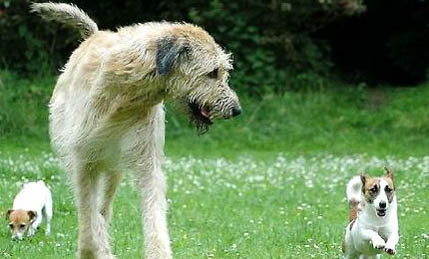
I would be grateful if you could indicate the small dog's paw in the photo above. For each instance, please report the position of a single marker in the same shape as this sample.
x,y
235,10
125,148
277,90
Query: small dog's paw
x,y
390,250
378,244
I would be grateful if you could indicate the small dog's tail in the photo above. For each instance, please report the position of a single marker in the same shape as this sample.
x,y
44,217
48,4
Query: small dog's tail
x,y
67,14
353,192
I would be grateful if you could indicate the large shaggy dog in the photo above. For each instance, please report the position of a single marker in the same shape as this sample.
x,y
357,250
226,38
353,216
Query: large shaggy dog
x,y
107,112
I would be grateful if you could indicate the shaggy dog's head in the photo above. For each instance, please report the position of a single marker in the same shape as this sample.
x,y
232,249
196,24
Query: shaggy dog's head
x,y
378,192
197,72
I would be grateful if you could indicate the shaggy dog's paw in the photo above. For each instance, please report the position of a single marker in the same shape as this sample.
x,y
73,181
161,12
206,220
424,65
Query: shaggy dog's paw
x,y
378,243
390,250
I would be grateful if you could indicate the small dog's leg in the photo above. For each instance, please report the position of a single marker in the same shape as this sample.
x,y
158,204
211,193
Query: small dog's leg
x,y
48,214
376,240
93,237
31,231
111,181
391,243
33,227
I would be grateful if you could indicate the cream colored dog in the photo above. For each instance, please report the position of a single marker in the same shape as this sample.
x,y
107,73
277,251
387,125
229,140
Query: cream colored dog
x,y
107,112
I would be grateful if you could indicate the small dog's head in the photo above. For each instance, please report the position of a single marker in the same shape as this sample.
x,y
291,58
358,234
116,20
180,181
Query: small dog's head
x,y
19,222
196,70
379,192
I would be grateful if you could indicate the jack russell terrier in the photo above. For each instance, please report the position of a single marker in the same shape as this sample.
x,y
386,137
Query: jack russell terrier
x,y
373,220
26,215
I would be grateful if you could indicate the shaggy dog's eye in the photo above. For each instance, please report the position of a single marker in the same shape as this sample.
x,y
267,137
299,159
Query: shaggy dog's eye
x,y
213,74
11,225
388,189
373,189
22,226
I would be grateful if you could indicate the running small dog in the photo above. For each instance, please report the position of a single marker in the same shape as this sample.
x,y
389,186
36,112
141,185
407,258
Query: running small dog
x,y
373,220
26,215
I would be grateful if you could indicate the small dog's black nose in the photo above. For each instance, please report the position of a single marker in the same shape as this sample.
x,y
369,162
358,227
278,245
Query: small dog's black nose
x,y
236,111
382,204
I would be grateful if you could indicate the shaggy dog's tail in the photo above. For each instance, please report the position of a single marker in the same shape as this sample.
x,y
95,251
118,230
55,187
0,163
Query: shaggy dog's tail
x,y
67,14
353,190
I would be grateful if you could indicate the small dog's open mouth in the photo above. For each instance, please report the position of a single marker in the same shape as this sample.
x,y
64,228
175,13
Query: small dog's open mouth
x,y
200,114
381,212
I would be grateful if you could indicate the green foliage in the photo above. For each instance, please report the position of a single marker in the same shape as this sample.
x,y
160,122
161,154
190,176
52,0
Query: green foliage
x,y
28,44
23,104
271,42
343,118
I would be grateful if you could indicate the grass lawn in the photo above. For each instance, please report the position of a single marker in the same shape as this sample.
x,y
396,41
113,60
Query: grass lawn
x,y
287,206
268,184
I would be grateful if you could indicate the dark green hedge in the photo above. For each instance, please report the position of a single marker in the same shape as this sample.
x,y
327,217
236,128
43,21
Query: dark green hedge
x,y
270,40
277,44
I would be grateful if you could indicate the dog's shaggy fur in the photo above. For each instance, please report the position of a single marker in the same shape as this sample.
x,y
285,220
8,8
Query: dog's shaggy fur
x,y
107,112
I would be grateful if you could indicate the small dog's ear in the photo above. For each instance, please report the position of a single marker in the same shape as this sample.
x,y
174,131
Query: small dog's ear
x,y
363,177
168,51
388,173
32,214
8,214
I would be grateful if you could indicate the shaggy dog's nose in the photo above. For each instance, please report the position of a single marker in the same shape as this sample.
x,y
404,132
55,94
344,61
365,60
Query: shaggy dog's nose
x,y
236,111
382,204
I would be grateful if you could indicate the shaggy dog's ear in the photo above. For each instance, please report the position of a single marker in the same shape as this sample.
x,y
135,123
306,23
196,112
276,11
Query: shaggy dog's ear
x,y
168,51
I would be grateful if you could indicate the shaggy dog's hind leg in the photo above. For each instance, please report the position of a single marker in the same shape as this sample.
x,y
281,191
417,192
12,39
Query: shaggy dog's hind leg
x,y
111,180
93,237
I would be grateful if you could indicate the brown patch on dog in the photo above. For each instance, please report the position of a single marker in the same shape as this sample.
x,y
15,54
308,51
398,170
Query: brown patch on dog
x,y
370,187
390,189
20,217
353,210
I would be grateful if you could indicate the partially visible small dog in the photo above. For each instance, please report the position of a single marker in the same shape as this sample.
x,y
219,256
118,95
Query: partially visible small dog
x,y
26,215
373,220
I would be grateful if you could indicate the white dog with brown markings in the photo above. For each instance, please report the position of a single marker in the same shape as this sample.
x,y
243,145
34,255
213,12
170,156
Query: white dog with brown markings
x,y
373,221
29,206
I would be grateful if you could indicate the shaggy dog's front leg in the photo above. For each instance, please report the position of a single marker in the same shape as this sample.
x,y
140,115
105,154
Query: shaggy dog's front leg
x,y
154,204
93,237
153,186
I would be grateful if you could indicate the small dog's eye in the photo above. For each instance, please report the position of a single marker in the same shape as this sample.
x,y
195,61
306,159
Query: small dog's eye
x,y
388,189
22,226
213,74
11,225
374,189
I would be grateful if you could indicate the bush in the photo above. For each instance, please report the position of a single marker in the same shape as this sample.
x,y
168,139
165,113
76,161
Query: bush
x,y
270,41
23,105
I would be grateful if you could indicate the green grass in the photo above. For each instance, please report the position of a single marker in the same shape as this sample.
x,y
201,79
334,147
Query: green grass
x,y
268,184
282,207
